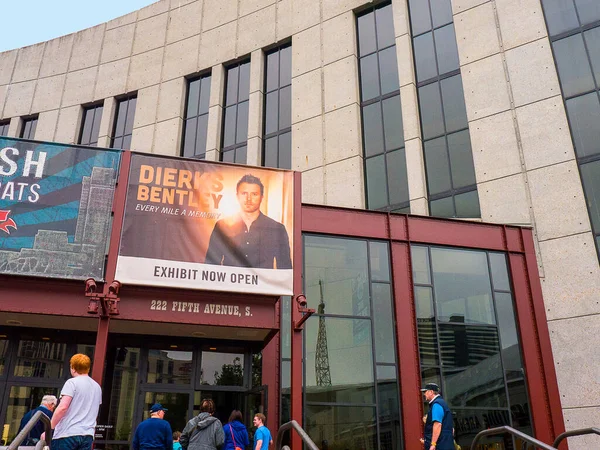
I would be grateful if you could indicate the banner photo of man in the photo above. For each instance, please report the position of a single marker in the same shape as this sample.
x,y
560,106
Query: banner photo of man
x,y
55,208
202,225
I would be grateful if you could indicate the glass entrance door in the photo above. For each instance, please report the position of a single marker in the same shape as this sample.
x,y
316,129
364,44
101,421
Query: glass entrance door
x,y
177,404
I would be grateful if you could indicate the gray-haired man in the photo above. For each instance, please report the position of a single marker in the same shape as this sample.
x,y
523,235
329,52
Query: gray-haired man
x,y
47,407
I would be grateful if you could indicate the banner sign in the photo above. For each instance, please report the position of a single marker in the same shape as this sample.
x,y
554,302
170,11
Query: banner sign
x,y
201,225
55,208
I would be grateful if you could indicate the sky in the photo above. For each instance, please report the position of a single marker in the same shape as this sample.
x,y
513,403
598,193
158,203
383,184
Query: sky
x,y
27,22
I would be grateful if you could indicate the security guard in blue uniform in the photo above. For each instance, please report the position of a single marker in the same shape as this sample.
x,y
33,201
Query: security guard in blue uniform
x,y
439,425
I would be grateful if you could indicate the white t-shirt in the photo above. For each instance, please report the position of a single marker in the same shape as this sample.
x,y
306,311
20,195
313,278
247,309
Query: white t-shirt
x,y
80,418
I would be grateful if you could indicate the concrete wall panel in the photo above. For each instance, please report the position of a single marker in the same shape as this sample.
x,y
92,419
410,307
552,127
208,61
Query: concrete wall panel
x,y
417,183
532,72
495,147
344,183
249,6
401,17
582,418
112,79
312,186
545,133
121,21
306,51
145,69
171,99
217,45
69,123
18,99
153,10
87,46
181,58
218,12
48,93
577,361
504,200
117,43
410,112
79,87
46,125
284,27
486,92
307,144
343,133
340,35
404,53
145,109
142,138
306,96
167,138
7,65
341,83
558,202
462,5
476,33
184,22
521,21
28,63
304,15
256,30
150,33
56,56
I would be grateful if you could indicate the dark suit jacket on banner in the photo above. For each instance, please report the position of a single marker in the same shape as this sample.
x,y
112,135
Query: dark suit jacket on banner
x,y
234,245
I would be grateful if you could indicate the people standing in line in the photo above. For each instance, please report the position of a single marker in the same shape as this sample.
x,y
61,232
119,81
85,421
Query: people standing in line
x,y
439,424
176,436
203,432
47,405
154,432
236,435
74,420
262,435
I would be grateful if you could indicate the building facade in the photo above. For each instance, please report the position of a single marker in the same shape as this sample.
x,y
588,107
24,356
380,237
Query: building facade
x,y
480,110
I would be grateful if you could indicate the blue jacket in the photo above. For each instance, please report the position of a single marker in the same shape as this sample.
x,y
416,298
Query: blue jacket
x,y
446,439
38,429
239,433
153,433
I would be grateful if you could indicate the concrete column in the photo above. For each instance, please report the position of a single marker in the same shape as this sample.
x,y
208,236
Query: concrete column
x,y
255,108
215,113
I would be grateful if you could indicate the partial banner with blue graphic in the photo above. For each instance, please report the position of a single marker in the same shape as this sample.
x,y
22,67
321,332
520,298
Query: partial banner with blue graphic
x,y
55,208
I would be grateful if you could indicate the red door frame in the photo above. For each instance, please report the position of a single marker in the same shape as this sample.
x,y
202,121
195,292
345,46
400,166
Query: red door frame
x,y
61,297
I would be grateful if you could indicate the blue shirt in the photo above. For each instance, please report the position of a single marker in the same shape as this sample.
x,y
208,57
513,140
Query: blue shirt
x,y
153,433
437,413
38,429
262,433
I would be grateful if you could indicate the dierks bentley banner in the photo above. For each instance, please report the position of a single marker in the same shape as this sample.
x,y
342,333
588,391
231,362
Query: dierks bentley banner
x,y
201,225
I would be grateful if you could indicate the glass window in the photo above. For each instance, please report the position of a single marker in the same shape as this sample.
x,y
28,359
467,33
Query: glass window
x,y
425,57
588,11
3,350
420,264
169,366
235,121
462,287
380,261
331,361
592,41
441,10
383,326
195,124
584,117
4,125
349,427
277,142
420,18
560,16
90,128
499,272
28,128
335,273
222,369
455,111
123,127
573,65
430,105
590,174
386,181
176,403
438,166
446,50
40,359
461,160
467,204
443,207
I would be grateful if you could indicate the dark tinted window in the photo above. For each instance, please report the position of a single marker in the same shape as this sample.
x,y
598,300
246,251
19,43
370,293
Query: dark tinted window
x,y
4,127
383,138
196,118
90,126
123,127
28,128
277,129
235,120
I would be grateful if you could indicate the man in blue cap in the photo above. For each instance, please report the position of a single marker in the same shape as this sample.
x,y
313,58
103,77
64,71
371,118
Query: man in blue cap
x,y
154,433
439,426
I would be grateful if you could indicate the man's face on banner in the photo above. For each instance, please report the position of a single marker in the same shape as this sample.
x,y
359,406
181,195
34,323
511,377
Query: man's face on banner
x,y
249,197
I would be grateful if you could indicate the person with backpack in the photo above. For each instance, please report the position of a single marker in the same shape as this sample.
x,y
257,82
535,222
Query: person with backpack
x,y
236,435
203,432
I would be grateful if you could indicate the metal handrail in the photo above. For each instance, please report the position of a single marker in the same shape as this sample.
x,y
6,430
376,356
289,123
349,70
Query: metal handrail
x,y
510,430
293,424
28,427
579,432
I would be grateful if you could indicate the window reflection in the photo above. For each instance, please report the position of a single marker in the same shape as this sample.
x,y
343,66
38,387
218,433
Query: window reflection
x,y
169,367
3,350
222,369
40,359
351,428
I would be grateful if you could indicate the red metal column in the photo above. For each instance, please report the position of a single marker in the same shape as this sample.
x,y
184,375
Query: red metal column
x,y
270,376
535,340
296,350
407,346
111,266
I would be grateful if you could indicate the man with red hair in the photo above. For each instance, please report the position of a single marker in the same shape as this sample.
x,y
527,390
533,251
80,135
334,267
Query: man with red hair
x,y
74,420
